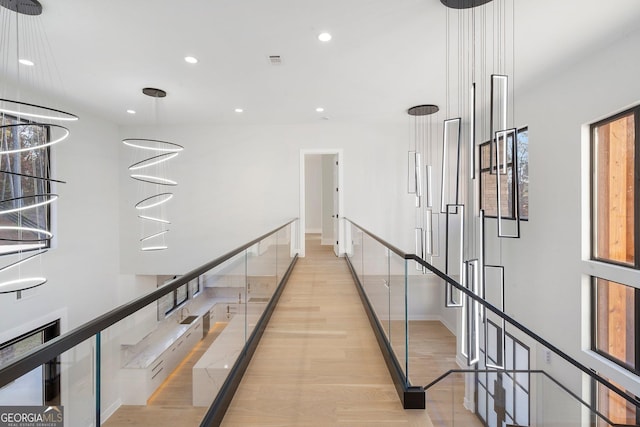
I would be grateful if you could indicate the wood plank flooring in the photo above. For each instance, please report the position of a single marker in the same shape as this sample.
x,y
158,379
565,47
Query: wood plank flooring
x,y
318,363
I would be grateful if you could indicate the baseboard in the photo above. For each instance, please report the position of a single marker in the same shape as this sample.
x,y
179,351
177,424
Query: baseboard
x,y
461,361
451,328
432,317
469,404
104,416
428,317
313,231
326,242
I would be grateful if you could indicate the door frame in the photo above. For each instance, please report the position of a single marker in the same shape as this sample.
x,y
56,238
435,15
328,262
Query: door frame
x,y
315,151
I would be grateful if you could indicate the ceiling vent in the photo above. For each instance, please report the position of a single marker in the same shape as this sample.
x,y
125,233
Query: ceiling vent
x,y
275,59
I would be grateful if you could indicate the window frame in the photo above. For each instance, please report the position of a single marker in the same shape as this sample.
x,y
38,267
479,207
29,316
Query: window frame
x,y
172,297
193,295
491,168
635,112
599,417
177,304
47,187
51,370
592,182
594,326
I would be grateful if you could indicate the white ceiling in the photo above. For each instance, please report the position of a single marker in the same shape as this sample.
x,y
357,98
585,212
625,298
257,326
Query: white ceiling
x,y
385,55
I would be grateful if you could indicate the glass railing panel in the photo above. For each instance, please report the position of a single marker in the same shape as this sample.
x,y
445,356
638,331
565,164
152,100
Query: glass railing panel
x,y
175,352
77,377
498,398
494,398
229,331
480,398
261,280
262,269
283,251
432,343
356,249
62,391
180,355
476,334
146,361
398,309
441,401
554,405
375,280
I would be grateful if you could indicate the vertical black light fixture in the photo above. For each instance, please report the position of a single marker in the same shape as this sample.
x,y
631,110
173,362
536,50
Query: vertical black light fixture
x,y
502,136
420,179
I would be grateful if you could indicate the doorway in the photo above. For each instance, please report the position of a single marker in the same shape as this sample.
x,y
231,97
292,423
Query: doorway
x,y
321,197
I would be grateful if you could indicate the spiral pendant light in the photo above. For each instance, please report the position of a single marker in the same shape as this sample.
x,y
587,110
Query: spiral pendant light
x,y
149,169
28,132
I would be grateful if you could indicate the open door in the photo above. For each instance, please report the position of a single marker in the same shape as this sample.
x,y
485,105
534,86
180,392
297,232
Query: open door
x,y
336,210
331,177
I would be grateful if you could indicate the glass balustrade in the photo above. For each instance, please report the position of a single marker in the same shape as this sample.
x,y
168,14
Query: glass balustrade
x,y
500,397
176,346
176,350
478,366
398,314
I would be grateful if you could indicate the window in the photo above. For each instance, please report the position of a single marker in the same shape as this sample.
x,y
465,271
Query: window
x,y
614,408
194,287
615,312
614,237
24,182
168,303
488,184
614,196
41,386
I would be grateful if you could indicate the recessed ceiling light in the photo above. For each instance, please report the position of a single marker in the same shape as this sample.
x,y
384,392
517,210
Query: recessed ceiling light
x,y
191,59
319,109
324,37
131,111
238,110
26,62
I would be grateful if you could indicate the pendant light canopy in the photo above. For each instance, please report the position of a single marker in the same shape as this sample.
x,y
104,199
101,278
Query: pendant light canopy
x,y
25,7
464,4
423,110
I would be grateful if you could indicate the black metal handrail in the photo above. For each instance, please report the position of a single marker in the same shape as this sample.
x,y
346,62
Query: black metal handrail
x,y
629,398
59,345
522,371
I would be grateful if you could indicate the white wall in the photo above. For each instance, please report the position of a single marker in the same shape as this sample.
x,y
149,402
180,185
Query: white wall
x,y
313,193
236,182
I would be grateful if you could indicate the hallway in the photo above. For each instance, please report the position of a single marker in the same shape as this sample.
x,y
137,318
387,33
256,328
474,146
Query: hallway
x,y
318,363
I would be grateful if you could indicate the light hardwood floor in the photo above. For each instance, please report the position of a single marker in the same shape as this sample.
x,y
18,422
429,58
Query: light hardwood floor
x,y
318,363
